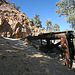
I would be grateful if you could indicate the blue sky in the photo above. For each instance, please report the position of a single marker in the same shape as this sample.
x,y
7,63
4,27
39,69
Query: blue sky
x,y
44,8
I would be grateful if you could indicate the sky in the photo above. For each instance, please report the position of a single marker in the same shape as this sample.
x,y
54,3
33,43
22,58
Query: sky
x,y
44,8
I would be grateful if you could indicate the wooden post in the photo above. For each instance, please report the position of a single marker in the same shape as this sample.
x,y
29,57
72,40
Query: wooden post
x,y
65,51
41,41
48,42
68,49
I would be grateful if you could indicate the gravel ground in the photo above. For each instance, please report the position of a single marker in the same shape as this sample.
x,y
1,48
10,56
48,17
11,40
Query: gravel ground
x,y
19,58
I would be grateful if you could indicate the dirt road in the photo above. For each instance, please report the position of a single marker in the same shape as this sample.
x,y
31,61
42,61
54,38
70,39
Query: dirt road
x,y
19,58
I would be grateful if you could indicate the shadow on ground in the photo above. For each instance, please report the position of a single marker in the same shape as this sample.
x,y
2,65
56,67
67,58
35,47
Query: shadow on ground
x,y
19,58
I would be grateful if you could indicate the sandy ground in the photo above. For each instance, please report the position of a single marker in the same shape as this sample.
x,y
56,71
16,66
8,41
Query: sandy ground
x,y
19,58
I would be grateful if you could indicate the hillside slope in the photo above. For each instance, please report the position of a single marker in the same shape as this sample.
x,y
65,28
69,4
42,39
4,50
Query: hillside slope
x,y
11,16
19,58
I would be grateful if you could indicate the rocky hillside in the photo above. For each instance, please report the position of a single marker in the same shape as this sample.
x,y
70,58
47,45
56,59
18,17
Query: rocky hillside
x,y
3,1
12,17
12,21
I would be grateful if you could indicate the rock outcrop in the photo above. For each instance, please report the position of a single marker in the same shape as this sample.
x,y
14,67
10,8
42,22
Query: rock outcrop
x,y
12,21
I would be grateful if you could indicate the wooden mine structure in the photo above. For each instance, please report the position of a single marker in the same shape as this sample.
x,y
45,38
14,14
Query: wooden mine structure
x,y
66,42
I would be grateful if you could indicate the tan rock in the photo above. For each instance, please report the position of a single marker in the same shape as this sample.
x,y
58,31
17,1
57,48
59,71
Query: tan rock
x,y
13,17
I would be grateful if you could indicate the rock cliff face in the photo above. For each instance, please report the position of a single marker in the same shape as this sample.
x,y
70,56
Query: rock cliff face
x,y
13,21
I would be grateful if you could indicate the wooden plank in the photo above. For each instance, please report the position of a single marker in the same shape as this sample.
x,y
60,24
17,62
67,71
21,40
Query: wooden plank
x,y
57,32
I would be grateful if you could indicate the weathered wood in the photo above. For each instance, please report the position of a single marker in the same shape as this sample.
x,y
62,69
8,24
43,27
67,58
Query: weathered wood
x,y
68,49
66,42
48,42
41,41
